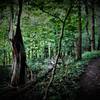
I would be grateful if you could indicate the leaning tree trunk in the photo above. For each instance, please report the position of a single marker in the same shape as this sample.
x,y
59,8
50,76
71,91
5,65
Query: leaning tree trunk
x,y
93,27
79,40
19,55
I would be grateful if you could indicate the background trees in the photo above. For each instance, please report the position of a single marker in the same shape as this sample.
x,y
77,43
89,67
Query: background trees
x,y
56,34
32,20
42,26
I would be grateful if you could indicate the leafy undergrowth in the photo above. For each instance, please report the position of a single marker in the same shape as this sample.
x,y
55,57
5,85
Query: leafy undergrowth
x,y
91,55
65,84
66,80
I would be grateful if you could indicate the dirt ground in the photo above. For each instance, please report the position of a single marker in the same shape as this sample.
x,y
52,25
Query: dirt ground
x,y
90,81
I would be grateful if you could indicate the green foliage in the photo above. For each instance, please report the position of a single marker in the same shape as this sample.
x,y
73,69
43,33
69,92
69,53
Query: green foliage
x,y
41,33
91,55
36,64
76,69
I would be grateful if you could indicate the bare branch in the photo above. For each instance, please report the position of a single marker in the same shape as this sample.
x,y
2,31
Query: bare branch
x,y
53,15
60,43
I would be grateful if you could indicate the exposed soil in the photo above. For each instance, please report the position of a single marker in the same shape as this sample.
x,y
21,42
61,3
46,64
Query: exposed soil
x,y
90,81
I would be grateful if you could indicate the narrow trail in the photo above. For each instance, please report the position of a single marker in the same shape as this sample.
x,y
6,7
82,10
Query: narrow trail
x,y
90,81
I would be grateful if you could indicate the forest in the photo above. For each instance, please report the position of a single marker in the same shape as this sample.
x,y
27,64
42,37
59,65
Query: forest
x,y
49,49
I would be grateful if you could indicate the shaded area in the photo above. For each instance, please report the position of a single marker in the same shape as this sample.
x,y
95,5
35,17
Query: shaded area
x,y
90,81
89,86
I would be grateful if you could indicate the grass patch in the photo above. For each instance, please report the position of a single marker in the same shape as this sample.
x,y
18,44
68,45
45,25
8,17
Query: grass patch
x,y
90,55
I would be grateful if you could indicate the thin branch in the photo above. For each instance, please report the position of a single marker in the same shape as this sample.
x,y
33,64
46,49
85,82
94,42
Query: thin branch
x,y
53,15
60,43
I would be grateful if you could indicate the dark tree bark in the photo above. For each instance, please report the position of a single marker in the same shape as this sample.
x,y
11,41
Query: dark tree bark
x,y
79,40
93,26
46,54
19,55
88,39
98,48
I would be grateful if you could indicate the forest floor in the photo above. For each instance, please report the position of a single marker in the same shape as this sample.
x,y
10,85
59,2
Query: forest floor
x,y
89,86
90,81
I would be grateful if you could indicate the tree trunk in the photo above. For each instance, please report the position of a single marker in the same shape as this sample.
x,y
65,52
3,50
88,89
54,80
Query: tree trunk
x,y
88,39
93,28
79,40
46,53
19,55
98,48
